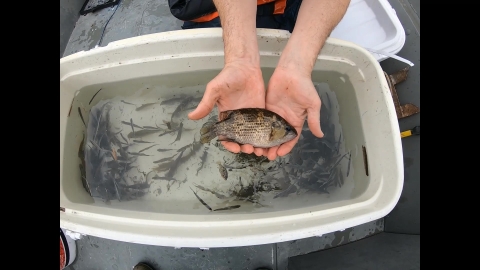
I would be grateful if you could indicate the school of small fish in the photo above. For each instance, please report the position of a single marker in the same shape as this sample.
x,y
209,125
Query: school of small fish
x,y
109,158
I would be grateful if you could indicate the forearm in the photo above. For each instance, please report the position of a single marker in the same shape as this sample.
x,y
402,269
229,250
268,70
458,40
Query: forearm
x,y
238,19
316,20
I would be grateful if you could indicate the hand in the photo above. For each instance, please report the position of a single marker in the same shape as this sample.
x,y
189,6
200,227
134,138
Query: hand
x,y
239,85
291,94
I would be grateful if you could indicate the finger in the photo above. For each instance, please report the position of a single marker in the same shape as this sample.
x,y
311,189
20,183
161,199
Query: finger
x,y
246,148
231,146
313,119
288,146
204,107
258,151
272,153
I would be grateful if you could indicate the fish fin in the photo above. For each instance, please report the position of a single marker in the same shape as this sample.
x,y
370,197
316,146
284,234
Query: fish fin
x,y
207,132
225,115
222,138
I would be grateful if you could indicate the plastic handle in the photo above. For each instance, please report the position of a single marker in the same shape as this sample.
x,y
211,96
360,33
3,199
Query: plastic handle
x,y
391,55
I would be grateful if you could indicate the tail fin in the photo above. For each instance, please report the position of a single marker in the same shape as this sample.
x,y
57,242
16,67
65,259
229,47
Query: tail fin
x,y
208,132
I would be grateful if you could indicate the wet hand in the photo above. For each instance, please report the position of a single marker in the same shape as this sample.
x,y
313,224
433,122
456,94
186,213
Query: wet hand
x,y
239,85
291,94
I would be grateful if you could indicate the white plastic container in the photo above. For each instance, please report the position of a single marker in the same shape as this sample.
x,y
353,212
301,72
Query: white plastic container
x,y
367,115
372,24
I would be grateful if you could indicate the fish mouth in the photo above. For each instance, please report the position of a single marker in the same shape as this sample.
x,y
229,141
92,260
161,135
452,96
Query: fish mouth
x,y
291,135
294,131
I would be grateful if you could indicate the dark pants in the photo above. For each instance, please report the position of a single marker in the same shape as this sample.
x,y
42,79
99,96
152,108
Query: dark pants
x,y
285,21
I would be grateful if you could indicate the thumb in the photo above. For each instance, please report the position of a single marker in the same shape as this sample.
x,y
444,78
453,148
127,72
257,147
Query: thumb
x,y
204,107
313,118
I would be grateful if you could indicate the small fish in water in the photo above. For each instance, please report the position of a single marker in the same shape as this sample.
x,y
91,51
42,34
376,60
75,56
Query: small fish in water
x,y
127,102
81,116
156,177
133,130
94,96
202,201
178,110
141,141
163,150
172,100
218,195
123,137
202,161
257,127
174,165
166,132
164,159
163,167
223,171
150,127
179,134
228,208
144,149
128,124
138,154
142,133
143,106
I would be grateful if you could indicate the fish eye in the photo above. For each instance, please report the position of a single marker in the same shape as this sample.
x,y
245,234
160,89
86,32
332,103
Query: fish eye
x,y
288,129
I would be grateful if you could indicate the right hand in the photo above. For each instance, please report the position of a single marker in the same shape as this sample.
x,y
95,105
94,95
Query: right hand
x,y
239,85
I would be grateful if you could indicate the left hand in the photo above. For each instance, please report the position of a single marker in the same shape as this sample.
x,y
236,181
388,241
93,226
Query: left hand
x,y
291,94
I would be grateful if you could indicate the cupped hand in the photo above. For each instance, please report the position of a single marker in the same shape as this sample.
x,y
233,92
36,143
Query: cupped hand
x,y
239,85
291,94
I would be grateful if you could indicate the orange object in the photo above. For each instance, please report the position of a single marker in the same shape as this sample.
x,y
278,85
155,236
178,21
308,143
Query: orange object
x,y
278,9
62,255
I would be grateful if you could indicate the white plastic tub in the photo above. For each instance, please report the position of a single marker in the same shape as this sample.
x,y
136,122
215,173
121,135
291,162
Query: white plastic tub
x,y
181,59
372,24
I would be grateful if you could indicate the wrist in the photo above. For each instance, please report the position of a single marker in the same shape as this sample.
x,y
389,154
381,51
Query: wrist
x,y
299,55
242,47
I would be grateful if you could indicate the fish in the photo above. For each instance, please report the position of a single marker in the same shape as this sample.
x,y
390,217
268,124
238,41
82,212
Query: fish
x,y
143,106
228,208
166,132
255,126
179,134
141,141
163,150
81,116
218,195
156,177
123,101
174,165
150,127
94,96
202,161
138,154
144,149
178,110
202,201
133,130
172,100
164,159
142,133
128,124
163,167
223,171
349,160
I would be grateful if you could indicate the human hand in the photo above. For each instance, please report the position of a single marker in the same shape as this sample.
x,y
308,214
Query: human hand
x,y
291,94
239,85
